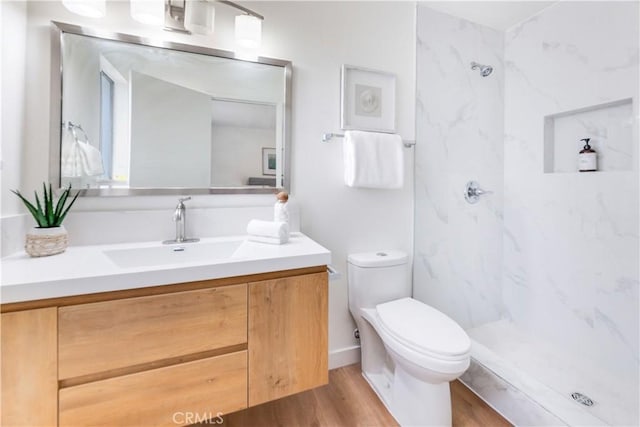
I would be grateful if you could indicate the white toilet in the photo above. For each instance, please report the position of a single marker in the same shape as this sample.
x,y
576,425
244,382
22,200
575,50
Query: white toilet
x,y
410,351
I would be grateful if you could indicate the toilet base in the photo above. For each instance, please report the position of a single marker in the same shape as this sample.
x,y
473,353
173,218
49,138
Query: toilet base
x,y
412,402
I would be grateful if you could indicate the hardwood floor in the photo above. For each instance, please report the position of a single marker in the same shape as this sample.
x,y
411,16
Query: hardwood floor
x,y
471,411
349,401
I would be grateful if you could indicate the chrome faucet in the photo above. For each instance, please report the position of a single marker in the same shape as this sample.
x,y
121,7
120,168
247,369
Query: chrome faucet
x,y
180,218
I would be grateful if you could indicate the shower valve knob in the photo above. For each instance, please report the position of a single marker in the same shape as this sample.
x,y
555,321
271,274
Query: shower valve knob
x,y
473,192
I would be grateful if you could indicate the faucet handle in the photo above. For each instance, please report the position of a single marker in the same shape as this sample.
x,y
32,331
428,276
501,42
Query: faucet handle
x,y
181,201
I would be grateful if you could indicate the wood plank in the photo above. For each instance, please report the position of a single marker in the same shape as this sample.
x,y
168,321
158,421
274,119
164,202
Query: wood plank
x,y
154,290
349,401
162,397
29,368
469,410
93,337
288,324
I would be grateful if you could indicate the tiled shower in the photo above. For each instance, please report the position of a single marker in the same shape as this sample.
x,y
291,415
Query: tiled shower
x,y
542,272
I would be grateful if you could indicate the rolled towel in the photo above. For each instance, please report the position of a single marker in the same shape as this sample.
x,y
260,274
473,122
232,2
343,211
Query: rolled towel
x,y
270,240
268,231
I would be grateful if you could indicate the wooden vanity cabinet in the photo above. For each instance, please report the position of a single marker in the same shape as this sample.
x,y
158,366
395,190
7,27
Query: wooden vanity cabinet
x,y
29,345
149,356
288,348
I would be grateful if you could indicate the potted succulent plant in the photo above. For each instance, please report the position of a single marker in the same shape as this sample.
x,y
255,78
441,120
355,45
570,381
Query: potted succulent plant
x,y
49,237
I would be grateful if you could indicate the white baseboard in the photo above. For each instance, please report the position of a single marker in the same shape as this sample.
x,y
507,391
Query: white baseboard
x,y
344,356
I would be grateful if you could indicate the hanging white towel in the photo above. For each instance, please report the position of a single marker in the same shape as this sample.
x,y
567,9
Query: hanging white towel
x,y
373,160
79,158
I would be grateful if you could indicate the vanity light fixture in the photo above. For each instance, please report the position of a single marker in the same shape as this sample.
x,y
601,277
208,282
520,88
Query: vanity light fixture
x,y
89,8
197,16
185,16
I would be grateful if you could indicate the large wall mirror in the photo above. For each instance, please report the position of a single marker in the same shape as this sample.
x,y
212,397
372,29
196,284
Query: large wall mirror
x,y
134,116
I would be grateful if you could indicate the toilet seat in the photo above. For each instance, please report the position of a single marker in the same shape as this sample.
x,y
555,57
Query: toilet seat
x,y
403,333
424,329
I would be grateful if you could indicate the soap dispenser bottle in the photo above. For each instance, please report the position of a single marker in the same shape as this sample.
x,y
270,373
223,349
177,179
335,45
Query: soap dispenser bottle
x,y
281,210
588,158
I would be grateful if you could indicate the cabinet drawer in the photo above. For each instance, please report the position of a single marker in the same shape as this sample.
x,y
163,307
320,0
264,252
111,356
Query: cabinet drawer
x,y
168,396
103,336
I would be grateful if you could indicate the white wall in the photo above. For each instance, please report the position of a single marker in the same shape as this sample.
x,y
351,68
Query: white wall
x,y
13,103
318,37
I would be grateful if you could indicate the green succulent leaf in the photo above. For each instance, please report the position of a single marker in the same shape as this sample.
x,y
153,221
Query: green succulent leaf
x,y
36,212
42,218
64,214
61,201
49,205
48,214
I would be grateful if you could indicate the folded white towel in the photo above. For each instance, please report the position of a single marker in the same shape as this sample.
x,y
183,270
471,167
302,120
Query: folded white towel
x,y
275,231
373,160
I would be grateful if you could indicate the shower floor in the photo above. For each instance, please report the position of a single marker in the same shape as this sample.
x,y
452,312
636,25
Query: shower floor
x,y
549,377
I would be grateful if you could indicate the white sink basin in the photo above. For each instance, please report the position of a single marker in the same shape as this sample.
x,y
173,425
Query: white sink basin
x,y
199,252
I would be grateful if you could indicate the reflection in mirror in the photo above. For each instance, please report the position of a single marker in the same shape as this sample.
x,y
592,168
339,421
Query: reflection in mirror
x,y
142,119
239,130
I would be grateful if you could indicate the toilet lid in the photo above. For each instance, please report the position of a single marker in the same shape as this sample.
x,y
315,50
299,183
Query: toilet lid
x,y
423,327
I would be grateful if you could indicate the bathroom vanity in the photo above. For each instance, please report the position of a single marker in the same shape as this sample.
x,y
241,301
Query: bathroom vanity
x,y
134,346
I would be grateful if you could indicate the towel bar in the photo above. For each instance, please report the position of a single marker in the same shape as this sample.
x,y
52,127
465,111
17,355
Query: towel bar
x,y
326,137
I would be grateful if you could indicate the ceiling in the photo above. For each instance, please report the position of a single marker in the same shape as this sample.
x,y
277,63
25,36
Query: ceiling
x,y
500,15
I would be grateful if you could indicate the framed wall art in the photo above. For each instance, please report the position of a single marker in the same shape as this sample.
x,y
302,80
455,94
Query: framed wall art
x,y
368,100
268,161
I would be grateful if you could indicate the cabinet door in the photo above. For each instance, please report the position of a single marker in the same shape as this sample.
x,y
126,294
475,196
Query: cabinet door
x,y
287,336
29,368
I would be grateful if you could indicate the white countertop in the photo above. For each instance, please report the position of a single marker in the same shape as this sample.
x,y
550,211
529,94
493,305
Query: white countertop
x,y
87,269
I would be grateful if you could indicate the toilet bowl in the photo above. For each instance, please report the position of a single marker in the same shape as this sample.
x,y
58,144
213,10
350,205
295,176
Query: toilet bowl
x,y
410,351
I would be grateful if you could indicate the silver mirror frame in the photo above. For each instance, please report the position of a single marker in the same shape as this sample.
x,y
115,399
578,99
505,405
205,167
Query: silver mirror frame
x,y
55,125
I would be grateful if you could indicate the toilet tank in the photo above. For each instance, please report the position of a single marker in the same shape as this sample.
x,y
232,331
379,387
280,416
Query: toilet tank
x,y
377,277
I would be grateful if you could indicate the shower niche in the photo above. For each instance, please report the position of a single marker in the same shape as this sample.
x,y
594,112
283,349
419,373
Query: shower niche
x,y
609,126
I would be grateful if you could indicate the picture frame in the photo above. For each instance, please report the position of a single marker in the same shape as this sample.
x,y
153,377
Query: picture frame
x,y
268,161
368,100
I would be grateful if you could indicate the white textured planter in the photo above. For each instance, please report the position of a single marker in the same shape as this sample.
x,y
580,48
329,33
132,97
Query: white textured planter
x,y
46,241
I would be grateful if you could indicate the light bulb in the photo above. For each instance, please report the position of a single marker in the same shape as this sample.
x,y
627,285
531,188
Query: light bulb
x,y
248,32
200,17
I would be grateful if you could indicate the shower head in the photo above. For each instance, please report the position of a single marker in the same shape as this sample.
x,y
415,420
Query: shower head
x,y
485,70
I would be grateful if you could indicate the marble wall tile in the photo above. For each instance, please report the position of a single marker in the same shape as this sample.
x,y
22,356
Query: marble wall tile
x,y
458,255
571,239
556,253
